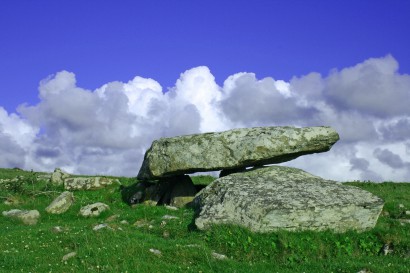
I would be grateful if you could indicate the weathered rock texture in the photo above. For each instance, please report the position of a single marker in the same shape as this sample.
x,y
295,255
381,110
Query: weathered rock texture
x,y
58,176
61,204
88,183
233,149
93,209
28,217
277,197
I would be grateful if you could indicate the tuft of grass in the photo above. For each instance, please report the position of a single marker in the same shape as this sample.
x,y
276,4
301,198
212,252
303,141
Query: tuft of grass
x,y
203,180
126,244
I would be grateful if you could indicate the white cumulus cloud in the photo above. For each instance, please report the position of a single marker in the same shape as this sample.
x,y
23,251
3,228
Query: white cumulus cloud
x,y
107,130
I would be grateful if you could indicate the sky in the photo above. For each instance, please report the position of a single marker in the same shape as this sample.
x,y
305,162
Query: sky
x,y
88,85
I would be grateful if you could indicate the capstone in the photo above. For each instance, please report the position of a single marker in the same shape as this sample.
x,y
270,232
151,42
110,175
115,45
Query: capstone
x,y
233,149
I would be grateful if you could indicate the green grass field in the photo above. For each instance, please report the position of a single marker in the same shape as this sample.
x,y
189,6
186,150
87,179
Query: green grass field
x,y
130,241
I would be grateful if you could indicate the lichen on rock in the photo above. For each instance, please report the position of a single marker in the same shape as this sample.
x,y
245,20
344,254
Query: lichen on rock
x,y
233,149
276,197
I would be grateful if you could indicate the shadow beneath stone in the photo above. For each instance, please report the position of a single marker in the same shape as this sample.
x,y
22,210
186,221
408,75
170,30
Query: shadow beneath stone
x,y
177,191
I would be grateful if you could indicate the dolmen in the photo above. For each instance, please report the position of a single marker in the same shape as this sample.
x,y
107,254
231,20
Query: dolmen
x,y
249,193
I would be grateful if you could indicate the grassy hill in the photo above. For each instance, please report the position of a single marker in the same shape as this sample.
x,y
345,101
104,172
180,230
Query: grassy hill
x,y
141,239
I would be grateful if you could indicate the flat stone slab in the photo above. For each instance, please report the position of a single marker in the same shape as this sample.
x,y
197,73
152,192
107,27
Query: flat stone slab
x,y
277,197
233,149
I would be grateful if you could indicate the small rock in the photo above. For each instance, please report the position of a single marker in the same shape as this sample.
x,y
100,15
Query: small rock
x,y
61,204
386,249
28,217
112,218
401,206
404,221
124,222
155,251
68,256
141,223
407,212
171,207
165,234
169,217
193,245
12,201
219,256
182,201
93,209
57,229
364,271
101,226
151,203
163,223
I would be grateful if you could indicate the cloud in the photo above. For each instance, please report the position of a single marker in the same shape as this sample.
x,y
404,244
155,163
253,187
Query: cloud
x,y
248,101
374,87
391,159
362,165
16,136
197,87
359,164
12,155
396,130
108,130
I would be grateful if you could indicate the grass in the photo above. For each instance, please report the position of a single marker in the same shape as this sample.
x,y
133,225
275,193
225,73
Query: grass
x,y
125,245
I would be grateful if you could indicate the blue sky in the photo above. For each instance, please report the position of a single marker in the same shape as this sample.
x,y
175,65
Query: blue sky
x,y
103,41
306,64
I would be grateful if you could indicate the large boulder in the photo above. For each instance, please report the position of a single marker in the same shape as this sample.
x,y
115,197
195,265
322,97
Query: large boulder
x,y
276,197
233,149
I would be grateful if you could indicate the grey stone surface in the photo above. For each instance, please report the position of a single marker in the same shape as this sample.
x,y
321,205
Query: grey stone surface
x,y
28,217
58,176
233,149
88,183
277,197
61,204
93,209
